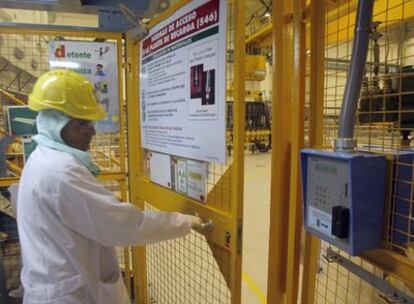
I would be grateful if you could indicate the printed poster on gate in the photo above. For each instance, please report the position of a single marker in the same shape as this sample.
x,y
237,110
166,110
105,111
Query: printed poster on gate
x,y
183,81
97,61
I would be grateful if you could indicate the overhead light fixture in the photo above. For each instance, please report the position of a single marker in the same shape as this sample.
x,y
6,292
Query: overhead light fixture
x,y
268,14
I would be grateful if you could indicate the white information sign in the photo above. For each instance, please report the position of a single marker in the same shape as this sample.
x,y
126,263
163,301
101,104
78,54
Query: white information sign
x,y
197,180
97,61
191,178
160,169
183,77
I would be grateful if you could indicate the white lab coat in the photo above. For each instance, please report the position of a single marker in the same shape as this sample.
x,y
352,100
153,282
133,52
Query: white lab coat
x,y
68,226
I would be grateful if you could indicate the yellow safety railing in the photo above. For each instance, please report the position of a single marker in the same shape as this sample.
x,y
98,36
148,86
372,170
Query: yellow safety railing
x,y
12,98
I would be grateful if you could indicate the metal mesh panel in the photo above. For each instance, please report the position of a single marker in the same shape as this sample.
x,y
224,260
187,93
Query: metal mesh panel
x,y
384,124
185,271
18,74
337,285
385,119
191,270
23,58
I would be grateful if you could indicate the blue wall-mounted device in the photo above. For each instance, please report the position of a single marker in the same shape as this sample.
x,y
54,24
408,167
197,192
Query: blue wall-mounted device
x,y
343,196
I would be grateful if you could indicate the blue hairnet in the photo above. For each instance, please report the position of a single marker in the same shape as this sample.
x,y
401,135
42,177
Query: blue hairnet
x,y
49,125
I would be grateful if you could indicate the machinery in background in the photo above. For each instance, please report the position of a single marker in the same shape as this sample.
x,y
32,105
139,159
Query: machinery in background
x,y
255,67
394,101
257,126
258,112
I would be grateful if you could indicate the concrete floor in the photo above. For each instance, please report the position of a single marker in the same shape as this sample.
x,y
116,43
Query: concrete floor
x,y
256,227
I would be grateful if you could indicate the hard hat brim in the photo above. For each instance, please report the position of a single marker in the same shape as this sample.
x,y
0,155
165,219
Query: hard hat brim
x,y
97,113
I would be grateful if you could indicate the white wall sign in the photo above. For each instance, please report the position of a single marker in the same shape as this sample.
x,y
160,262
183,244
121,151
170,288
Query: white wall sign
x,y
182,83
191,178
197,180
97,61
160,169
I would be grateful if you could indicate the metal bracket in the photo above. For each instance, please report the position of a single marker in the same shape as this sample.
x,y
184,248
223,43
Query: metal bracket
x,y
345,144
140,30
239,236
390,293
113,20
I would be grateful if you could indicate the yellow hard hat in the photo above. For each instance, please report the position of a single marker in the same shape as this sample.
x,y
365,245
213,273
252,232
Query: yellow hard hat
x,y
68,92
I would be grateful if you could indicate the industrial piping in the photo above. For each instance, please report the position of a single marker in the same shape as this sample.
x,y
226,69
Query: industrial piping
x,y
346,140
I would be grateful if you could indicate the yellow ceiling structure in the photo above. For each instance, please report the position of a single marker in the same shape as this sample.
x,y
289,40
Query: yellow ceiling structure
x,y
340,19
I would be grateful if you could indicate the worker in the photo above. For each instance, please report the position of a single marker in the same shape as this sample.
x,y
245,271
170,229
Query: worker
x,y
69,224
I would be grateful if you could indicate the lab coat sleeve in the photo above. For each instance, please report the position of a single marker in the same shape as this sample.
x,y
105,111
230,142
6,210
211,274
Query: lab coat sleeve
x,y
94,212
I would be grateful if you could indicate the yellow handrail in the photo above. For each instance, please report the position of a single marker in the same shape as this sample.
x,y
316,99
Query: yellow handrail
x,y
14,168
111,159
13,98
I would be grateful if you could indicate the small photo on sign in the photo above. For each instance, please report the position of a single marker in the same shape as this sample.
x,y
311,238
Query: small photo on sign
x,y
208,97
196,81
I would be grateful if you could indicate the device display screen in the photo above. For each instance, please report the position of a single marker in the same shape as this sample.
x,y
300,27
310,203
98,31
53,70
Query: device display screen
x,y
326,168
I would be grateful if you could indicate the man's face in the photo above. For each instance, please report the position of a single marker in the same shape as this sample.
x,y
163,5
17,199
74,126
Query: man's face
x,y
78,134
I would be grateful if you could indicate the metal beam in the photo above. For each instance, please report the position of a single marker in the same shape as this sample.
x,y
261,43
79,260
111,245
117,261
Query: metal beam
x,y
52,28
391,294
297,144
280,167
393,263
317,81
237,180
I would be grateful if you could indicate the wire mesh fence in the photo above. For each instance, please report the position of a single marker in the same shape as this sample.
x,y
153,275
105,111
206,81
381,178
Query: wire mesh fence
x,y
185,271
384,125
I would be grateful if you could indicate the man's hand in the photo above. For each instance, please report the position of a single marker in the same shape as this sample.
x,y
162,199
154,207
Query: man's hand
x,y
196,223
199,225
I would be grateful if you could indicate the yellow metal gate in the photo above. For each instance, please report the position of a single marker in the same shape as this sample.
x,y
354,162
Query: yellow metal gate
x,y
198,268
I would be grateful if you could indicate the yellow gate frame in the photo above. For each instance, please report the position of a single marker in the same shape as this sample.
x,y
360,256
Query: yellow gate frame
x,y
142,190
